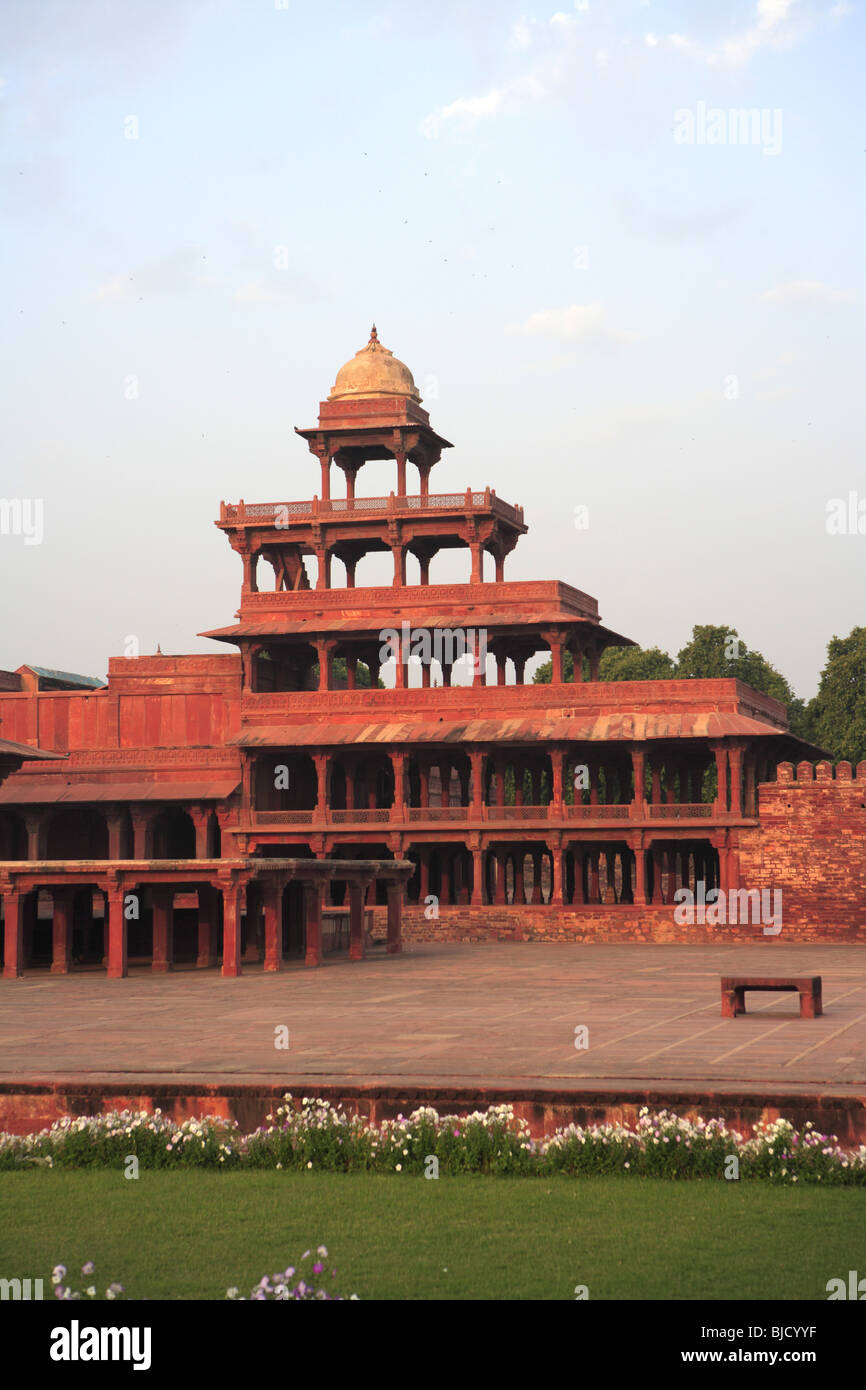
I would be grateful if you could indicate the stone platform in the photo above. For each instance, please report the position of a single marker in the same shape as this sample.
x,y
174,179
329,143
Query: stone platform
x,y
455,1026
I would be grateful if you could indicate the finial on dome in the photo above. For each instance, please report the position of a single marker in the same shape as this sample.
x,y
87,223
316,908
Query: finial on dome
x,y
374,336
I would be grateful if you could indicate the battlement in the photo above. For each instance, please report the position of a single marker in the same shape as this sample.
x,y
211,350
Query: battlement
x,y
820,772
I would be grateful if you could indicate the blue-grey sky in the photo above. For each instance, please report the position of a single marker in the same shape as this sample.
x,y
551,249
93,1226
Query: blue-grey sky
x,y
620,246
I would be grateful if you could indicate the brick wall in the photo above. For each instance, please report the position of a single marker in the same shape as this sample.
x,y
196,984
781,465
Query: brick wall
x,y
811,843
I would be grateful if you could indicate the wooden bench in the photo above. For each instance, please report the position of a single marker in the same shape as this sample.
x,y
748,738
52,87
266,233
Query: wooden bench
x,y
734,989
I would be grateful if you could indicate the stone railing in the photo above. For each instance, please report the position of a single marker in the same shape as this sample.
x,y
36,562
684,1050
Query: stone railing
x,y
285,514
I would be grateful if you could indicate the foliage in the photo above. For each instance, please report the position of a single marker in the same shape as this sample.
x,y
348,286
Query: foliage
x,y
837,715
315,1135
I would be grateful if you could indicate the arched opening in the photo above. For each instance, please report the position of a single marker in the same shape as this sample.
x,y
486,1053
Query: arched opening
x,y
284,781
173,834
13,835
77,834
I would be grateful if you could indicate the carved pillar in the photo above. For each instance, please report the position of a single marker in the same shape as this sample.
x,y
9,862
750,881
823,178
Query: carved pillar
x,y
61,930
477,897
721,756
638,762
116,930
140,832
313,896
163,930
321,763
14,905
272,897
231,966
255,924
398,767
200,816
357,894
736,762
33,825
394,944
207,926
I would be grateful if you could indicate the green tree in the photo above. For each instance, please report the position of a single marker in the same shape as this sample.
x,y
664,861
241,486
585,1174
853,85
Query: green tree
x,y
617,664
636,664
837,715
715,652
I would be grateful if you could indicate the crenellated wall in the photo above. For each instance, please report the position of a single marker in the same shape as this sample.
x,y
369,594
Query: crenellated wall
x,y
811,843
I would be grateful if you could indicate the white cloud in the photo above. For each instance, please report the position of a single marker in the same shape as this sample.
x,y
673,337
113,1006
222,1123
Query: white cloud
x,y
579,323
521,34
805,292
467,111
176,273
650,40
257,292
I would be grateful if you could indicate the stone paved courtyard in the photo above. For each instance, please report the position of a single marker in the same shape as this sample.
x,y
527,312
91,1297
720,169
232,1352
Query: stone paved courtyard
x,y
451,1014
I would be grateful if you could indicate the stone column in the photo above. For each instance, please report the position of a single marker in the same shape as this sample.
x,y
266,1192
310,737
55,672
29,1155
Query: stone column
x,y
33,825
736,757
163,930
253,948
398,767
557,876
721,755
519,886
579,866
536,876
61,930
117,936
395,909
357,893
140,832
499,860
14,904
313,895
638,763
207,924
640,896
321,762
477,897
231,966
115,833
272,896
200,816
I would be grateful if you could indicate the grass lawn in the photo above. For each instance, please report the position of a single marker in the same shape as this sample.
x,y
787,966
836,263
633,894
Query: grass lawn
x,y
188,1234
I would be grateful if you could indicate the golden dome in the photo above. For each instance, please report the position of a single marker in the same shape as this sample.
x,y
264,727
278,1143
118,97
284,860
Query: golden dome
x,y
374,371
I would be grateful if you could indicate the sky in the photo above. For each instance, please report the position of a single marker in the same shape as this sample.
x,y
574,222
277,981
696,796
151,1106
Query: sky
x,y
620,247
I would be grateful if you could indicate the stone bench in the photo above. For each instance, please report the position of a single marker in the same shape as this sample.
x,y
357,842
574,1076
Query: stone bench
x,y
734,989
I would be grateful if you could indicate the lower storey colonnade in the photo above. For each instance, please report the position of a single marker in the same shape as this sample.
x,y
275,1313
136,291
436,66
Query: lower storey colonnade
x,y
263,910
591,873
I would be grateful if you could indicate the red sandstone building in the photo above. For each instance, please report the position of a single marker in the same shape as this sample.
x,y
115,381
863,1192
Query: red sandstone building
x,y
246,806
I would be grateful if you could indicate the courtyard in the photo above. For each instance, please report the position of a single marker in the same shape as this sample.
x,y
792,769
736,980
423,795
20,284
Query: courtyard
x,y
497,1016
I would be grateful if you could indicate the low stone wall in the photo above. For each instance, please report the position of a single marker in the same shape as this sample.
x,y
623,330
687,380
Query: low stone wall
x,y
25,1107
588,925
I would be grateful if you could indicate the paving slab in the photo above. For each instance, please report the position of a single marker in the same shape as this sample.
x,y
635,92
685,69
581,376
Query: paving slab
x,y
489,1015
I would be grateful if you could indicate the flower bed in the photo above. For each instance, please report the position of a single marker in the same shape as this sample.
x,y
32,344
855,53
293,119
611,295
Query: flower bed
x,y
298,1283
315,1135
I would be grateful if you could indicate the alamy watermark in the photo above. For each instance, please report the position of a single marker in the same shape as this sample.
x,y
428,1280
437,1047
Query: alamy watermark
x,y
443,644
729,908
760,126
23,516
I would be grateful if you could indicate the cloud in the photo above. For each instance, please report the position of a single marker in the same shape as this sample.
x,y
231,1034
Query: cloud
x,y
579,323
775,24
521,34
466,111
805,292
258,292
177,273
676,228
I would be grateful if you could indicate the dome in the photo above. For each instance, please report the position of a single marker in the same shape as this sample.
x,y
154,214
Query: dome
x,y
374,371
